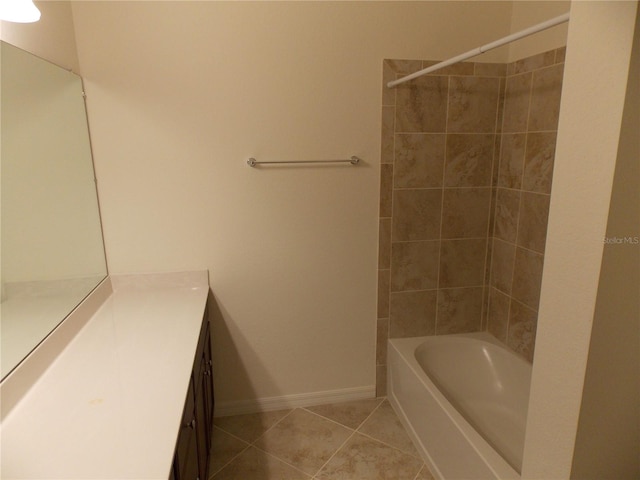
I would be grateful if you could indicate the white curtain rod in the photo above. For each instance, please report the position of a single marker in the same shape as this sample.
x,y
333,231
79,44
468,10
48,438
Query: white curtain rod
x,y
484,48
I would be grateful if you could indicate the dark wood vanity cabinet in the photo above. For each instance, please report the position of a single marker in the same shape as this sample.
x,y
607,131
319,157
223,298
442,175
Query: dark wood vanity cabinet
x,y
191,459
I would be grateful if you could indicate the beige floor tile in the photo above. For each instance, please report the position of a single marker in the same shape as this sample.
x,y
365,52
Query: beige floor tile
x,y
384,425
425,474
304,440
225,448
251,426
349,414
363,458
254,464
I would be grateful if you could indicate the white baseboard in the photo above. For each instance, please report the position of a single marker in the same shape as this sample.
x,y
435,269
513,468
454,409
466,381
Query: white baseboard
x,y
239,407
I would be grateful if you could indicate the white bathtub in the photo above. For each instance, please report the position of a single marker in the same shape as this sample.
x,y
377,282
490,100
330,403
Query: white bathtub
x,y
463,399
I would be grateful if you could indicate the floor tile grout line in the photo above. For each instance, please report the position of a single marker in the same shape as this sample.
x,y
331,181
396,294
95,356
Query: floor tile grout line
x,y
418,457
250,444
253,443
328,419
385,399
380,401
283,461
353,432
311,476
314,476
230,461
232,435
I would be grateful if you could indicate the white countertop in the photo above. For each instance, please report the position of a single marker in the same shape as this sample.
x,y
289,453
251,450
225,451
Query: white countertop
x,y
110,405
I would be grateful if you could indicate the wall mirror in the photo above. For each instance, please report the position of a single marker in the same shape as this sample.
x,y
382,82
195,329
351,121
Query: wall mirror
x,y
52,253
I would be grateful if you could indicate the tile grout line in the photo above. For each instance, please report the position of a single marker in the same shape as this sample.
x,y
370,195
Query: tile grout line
x,y
315,475
378,440
253,444
353,432
283,461
248,444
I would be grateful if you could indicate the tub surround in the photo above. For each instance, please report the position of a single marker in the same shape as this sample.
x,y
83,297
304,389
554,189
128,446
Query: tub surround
x,y
466,165
109,404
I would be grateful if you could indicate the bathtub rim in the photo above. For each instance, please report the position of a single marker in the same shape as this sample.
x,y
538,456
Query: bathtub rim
x,y
405,349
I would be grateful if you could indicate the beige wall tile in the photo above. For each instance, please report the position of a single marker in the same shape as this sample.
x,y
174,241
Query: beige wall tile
x,y
560,54
414,265
533,62
516,103
459,310
490,69
506,214
498,318
545,98
522,329
465,212
473,104
538,163
388,75
382,335
384,243
421,105
512,152
492,212
485,307
416,214
502,263
527,277
386,189
419,160
532,228
500,115
412,314
462,68
383,293
478,277
469,160
462,263
404,67
381,380
386,145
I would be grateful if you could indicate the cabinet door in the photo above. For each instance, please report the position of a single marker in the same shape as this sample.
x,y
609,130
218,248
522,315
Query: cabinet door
x,y
208,388
195,439
202,435
186,458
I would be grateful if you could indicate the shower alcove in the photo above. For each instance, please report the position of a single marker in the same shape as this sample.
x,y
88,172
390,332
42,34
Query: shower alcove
x,y
466,171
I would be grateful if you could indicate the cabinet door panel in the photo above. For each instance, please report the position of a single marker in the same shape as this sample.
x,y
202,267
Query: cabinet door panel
x,y
193,447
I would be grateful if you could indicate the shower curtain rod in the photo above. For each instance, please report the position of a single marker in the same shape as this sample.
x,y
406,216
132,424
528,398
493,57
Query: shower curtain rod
x,y
484,48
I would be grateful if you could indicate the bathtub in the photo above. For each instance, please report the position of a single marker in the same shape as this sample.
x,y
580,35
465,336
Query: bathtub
x,y
463,399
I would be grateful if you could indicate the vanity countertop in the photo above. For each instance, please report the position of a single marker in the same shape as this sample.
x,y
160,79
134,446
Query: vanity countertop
x,y
110,405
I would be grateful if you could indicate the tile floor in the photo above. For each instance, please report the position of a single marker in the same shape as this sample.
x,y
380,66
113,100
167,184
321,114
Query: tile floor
x,y
361,440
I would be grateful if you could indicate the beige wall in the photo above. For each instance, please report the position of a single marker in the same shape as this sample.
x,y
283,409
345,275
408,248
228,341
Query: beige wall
x,y
608,439
527,13
596,69
181,94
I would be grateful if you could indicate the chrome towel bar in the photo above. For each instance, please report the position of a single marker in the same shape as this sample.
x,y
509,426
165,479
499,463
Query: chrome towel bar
x,y
252,162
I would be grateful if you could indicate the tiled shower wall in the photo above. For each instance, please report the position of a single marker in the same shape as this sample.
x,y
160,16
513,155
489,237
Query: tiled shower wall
x,y
462,219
